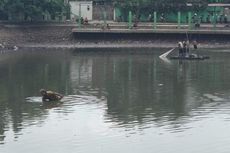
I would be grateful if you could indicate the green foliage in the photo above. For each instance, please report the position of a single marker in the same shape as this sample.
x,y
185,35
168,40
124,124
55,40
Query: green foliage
x,y
146,7
163,6
32,9
3,13
199,4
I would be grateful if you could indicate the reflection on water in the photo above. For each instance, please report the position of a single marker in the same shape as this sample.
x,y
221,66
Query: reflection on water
x,y
113,101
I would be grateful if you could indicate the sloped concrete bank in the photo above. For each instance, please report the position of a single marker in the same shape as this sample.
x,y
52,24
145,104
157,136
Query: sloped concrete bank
x,y
61,36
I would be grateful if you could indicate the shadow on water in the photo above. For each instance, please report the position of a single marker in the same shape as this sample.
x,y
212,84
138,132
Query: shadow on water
x,y
145,37
132,89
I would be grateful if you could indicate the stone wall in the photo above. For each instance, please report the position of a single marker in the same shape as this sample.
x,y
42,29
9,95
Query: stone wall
x,y
35,34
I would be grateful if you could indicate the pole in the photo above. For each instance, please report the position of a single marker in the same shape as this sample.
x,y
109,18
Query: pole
x,y
130,19
155,20
214,19
178,20
104,16
79,17
189,20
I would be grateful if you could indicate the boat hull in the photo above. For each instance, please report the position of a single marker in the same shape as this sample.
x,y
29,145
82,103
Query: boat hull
x,y
190,57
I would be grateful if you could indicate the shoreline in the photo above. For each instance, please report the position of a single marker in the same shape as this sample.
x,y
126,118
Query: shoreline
x,y
61,36
117,45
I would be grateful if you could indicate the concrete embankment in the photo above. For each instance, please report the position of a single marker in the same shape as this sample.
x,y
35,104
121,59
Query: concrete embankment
x,y
67,36
23,35
146,31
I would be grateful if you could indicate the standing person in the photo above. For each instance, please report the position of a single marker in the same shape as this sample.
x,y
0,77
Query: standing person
x,y
180,48
107,26
220,18
196,21
208,19
135,20
162,18
225,19
195,44
195,47
184,48
187,47
86,21
150,18
82,20
2,46
201,19
119,18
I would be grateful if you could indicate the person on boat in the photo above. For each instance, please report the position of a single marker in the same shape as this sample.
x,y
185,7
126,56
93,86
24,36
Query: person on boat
x,y
180,47
48,96
187,47
184,48
2,46
195,44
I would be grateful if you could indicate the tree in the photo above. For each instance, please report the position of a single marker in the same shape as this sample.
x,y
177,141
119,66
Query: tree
x,y
32,9
3,14
146,7
199,4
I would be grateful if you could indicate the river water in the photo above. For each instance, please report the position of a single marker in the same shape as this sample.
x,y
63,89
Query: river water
x,y
116,100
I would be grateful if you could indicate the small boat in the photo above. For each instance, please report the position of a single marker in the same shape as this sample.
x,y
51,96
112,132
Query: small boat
x,y
190,57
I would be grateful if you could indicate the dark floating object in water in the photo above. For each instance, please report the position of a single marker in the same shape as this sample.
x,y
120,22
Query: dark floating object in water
x,y
190,57
48,96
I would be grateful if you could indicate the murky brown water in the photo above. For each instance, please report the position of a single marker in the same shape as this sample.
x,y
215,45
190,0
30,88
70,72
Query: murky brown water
x,y
114,102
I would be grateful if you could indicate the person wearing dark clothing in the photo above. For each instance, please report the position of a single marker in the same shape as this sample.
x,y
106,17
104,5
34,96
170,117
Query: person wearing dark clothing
x,y
184,48
180,47
48,96
195,44
135,24
220,18
162,18
107,26
225,19
86,21
186,19
208,19
82,20
187,47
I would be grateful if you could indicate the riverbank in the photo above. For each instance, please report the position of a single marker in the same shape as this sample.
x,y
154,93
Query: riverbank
x,y
61,36
121,45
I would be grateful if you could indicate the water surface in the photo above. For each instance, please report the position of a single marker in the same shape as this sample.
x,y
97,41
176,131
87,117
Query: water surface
x,y
116,100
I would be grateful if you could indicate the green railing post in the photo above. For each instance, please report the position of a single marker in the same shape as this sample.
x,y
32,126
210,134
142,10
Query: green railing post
x,y
79,17
178,20
189,20
155,20
214,21
104,17
130,19
214,18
